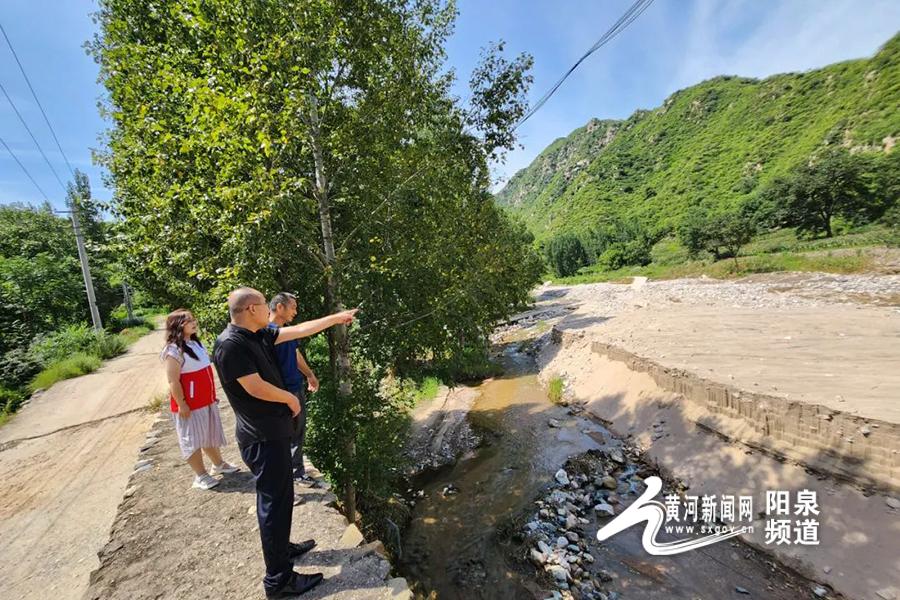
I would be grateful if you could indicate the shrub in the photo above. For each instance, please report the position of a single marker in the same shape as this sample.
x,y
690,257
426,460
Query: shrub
x,y
107,346
622,254
617,243
428,389
376,417
722,234
118,319
472,363
566,254
692,231
18,367
132,334
74,366
891,217
59,345
10,400
555,389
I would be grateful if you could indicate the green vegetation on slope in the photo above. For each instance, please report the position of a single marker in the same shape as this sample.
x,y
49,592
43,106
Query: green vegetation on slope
x,y
715,145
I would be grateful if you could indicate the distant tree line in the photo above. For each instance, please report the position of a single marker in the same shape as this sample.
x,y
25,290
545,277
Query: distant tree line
x,y
42,290
858,188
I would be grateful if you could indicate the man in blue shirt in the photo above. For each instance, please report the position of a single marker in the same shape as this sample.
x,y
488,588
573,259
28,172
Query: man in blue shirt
x,y
297,376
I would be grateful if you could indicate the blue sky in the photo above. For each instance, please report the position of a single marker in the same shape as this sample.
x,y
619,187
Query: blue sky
x,y
674,44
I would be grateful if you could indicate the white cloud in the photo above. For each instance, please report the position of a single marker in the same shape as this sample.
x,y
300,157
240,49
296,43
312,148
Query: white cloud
x,y
679,44
785,37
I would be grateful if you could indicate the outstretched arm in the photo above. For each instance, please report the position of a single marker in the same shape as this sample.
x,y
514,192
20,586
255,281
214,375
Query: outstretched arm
x,y
308,328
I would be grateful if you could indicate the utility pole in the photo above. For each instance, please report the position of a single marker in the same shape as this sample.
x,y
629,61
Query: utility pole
x,y
127,291
85,268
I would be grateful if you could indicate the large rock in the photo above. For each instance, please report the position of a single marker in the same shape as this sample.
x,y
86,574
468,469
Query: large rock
x,y
352,537
558,573
605,510
399,589
562,477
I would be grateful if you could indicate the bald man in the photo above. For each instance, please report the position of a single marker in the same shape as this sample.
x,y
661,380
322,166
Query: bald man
x,y
244,355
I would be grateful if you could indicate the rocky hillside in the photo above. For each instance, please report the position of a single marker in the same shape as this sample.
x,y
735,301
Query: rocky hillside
x,y
712,144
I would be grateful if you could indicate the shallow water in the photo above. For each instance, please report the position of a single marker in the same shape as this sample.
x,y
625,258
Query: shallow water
x,y
451,546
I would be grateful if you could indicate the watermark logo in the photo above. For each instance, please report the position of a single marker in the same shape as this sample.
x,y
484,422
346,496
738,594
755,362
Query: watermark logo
x,y
715,519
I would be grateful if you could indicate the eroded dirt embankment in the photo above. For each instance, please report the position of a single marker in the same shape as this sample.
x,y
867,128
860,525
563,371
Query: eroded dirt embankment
x,y
487,526
858,548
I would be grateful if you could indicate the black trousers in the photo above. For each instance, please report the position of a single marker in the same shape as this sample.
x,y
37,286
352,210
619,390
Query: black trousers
x,y
299,435
270,463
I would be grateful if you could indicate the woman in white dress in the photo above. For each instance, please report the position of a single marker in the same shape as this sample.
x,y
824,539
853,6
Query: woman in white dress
x,y
192,399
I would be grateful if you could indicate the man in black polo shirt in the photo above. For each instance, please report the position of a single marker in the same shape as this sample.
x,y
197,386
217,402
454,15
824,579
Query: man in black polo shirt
x,y
244,355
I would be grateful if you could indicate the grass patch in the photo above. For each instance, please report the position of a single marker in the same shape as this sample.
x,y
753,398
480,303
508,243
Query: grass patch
x,y
541,326
857,262
786,240
74,366
555,389
70,352
427,389
774,251
155,403
132,334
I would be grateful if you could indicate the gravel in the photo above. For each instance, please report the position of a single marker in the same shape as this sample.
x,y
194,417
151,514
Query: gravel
x,y
771,291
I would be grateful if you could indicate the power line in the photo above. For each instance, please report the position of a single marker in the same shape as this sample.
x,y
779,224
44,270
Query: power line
x,y
33,139
633,12
16,158
626,19
34,95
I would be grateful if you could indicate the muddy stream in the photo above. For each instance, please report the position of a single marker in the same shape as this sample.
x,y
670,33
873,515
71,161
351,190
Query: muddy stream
x,y
465,539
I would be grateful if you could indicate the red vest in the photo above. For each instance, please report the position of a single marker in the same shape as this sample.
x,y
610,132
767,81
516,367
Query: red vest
x,y
196,378
199,389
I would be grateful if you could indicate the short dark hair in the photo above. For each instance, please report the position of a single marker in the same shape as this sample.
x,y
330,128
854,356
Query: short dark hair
x,y
281,298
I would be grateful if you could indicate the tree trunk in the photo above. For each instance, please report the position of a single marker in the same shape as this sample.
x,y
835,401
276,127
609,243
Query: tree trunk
x,y
339,341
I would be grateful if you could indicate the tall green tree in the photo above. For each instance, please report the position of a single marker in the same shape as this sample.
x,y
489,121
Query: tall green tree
x,y
40,281
833,184
722,234
314,146
566,254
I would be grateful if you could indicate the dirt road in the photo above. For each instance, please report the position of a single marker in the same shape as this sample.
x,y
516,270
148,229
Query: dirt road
x,y
64,462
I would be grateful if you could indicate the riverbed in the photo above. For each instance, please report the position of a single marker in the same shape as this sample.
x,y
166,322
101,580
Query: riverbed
x,y
466,538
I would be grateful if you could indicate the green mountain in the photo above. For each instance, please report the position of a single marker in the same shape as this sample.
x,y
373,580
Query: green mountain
x,y
713,144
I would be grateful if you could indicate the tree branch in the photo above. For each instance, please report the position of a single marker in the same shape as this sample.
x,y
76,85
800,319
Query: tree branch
x,y
377,208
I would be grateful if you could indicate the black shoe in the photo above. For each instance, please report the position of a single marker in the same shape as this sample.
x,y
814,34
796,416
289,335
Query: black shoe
x,y
304,480
299,584
298,550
